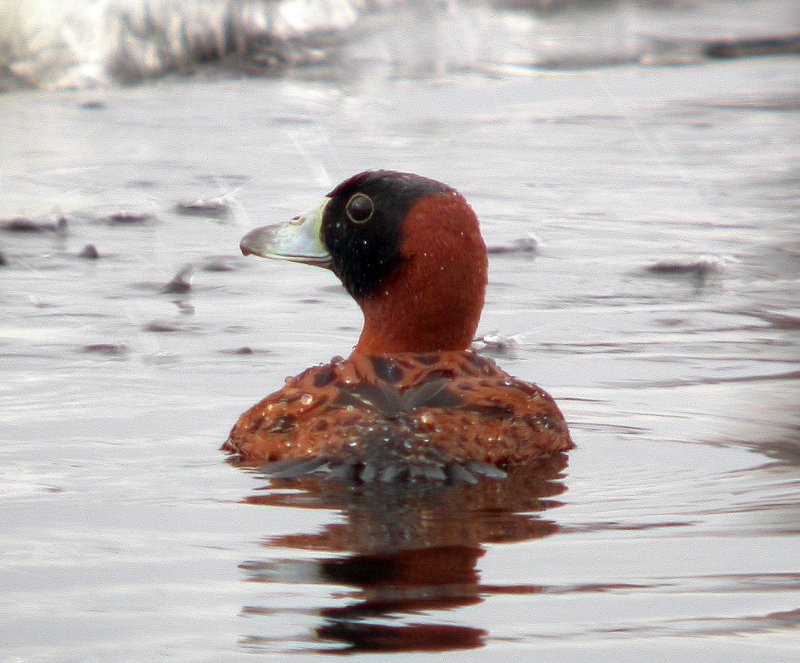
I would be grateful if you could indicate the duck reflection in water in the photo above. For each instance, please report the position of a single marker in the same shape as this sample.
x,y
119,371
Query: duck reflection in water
x,y
410,550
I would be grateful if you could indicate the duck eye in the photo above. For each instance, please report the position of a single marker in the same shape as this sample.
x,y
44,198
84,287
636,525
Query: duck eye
x,y
359,208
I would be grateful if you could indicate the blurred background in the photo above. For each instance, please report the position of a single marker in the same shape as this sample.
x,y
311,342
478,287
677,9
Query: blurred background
x,y
84,44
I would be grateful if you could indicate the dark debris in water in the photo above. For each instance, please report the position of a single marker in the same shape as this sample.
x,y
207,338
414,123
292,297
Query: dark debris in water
x,y
161,327
216,208
178,285
92,104
107,349
779,320
693,267
524,245
181,282
89,252
751,47
688,51
129,218
22,224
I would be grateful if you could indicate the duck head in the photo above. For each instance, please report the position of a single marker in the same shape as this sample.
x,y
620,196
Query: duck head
x,y
407,248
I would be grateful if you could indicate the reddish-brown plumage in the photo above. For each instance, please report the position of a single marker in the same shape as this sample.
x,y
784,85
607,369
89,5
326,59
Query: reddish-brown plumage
x,y
412,400
434,299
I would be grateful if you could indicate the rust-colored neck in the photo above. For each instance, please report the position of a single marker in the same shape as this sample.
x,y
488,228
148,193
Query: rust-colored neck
x,y
434,298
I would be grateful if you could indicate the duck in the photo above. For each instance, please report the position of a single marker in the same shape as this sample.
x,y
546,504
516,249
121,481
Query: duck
x,y
413,401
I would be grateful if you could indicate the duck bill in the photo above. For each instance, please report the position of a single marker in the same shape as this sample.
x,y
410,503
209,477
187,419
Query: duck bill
x,y
299,240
